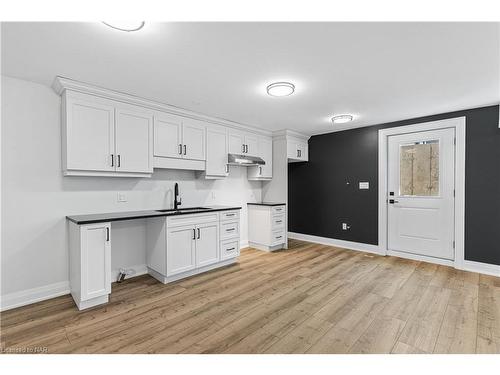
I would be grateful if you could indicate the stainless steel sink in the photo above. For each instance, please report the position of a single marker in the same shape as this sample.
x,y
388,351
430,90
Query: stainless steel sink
x,y
187,209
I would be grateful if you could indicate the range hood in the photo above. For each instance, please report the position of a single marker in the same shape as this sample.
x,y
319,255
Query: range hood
x,y
244,160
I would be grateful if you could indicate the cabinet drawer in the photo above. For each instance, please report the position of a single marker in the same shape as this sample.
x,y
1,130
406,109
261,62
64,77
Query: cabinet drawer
x,y
229,229
278,222
229,249
278,210
277,237
229,215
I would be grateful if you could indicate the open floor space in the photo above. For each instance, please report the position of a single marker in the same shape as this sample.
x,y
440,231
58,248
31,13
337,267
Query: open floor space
x,y
308,299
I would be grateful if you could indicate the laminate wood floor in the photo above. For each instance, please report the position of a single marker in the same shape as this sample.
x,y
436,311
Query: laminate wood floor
x,y
307,299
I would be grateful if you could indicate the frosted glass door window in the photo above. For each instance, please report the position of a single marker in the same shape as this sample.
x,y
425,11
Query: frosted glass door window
x,y
419,169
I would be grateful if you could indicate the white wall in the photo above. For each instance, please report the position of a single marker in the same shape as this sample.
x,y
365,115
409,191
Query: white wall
x,y
36,197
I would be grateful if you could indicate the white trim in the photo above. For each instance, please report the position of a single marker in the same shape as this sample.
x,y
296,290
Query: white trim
x,y
244,244
285,134
459,124
420,258
358,246
486,268
29,296
61,84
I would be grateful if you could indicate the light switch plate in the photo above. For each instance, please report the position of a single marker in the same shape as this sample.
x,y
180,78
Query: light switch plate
x,y
364,185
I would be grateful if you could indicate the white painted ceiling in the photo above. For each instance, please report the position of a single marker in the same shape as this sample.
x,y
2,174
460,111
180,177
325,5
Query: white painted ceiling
x,y
378,72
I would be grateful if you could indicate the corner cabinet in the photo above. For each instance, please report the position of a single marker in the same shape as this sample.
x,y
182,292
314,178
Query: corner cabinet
x,y
101,137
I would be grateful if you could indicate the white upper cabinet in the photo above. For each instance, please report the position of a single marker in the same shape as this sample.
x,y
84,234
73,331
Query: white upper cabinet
x,y
263,172
193,139
104,138
134,141
167,136
243,143
217,150
251,144
297,150
178,137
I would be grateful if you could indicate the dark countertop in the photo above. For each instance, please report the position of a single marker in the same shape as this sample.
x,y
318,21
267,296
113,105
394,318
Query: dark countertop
x,y
267,204
131,215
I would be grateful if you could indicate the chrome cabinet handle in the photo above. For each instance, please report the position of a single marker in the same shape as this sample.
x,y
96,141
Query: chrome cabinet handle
x,y
194,234
112,160
231,249
185,148
198,233
243,148
180,149
230,230
107,234
119,161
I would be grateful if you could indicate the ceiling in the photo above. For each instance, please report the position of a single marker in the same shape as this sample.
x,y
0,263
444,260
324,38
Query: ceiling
x,y
379,72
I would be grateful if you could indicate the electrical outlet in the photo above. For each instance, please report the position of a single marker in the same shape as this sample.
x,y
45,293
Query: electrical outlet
x,y
122,197
345,226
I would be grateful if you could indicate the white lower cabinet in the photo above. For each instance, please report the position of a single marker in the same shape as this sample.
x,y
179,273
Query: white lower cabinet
x,y
90,263
267,226
181,247
185,245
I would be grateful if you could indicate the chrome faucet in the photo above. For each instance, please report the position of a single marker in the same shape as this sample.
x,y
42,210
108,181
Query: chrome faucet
x,y
177,199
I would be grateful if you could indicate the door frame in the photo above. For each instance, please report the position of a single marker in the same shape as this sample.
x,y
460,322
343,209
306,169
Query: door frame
x,y
458,123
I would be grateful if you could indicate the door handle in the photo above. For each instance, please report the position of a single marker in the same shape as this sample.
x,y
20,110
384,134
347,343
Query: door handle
x,y
260,170
112,160
199,233
194,234
392,201
247,148
243,148
107,234
185,148
180,149
119,161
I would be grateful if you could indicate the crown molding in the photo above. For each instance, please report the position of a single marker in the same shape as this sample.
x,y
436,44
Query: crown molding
x,y
61,84
286,133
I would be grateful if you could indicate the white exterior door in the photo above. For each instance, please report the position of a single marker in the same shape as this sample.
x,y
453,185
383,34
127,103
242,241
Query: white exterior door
x,y
168,136
90,135
95,260
193,139
207,244
181,249
420,197
134,135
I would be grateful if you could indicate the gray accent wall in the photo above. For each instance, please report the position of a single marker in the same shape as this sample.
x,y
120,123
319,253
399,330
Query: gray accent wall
x,y
323,193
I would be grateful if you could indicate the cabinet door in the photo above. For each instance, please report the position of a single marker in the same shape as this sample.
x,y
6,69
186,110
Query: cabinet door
x,y
95,260
251,145
89,132
266,153
180,249
168,136
134,141
207,244
235,142
216,164
193,139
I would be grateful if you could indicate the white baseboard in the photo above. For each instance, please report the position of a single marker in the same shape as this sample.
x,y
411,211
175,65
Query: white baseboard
x,y
29,296
244,244
485,268
338,243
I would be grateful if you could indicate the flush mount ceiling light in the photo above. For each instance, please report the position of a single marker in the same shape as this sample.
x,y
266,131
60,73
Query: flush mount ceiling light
x,y
127,26
281,89
341,119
